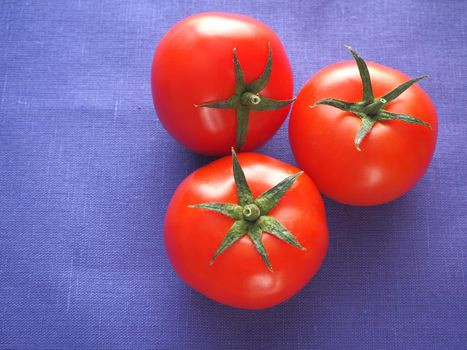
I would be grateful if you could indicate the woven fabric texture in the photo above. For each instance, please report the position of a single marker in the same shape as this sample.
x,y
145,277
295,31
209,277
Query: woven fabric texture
x,y
86,173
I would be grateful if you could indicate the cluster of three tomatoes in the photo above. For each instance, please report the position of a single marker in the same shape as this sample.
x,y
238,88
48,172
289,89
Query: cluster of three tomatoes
x,y
250,231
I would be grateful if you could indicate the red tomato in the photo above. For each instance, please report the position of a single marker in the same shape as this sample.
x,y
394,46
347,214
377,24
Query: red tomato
x,y
394,155
194,65
239,276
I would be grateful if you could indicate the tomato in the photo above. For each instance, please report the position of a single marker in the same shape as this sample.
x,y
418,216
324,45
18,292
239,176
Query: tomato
x,y
357,158
210,58
236,254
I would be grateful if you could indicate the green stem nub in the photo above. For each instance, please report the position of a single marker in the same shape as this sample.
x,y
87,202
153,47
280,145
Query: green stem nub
x,y
251,212
374,107
250,99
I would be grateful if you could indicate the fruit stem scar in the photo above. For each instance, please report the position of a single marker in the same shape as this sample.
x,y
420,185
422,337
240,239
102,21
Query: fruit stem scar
x,y
249,99
374,107
251,212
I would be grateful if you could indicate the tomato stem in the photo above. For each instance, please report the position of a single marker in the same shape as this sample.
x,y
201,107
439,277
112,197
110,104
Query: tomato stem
x,y
250,214
247,98
371,110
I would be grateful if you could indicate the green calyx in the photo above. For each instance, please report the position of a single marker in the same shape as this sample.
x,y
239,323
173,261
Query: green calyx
x,y
247,98
372,110
250,214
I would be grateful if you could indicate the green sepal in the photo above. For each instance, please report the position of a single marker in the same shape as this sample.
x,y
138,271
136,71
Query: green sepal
x,y
225,104
239,79
364,75
243,117
237,231
255,233
268,104
342,105
274,227
268,200
231,210
365,128
385,115
259,84
390,96
244,194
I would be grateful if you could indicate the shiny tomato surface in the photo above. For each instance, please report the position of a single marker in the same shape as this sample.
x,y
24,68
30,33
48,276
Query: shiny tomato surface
x,y
393,156
193,64
239,277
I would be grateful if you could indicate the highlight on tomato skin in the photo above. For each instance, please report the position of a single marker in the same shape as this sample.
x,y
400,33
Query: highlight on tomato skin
x,y
363,148
221,80
249,241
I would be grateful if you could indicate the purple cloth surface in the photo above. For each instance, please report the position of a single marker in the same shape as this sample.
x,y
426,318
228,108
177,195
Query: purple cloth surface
x,y
86,172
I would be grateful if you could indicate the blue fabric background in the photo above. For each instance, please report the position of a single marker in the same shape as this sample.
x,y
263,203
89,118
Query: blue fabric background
x,y
86,172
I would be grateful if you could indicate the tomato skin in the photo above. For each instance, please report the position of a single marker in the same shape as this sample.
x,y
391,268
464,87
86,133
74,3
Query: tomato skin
x,y
393,156
239,277
193,64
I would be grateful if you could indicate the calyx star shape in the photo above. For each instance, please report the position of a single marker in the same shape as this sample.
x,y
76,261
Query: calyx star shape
x,y
247,98
371,110
250,214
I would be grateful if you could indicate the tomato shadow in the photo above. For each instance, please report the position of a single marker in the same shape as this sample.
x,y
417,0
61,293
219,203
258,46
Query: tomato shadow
x,y
359,272
368,245
166,172
225,327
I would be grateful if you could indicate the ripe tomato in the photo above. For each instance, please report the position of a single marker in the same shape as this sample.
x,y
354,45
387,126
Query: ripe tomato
x,y
363,159
223,250
220,57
